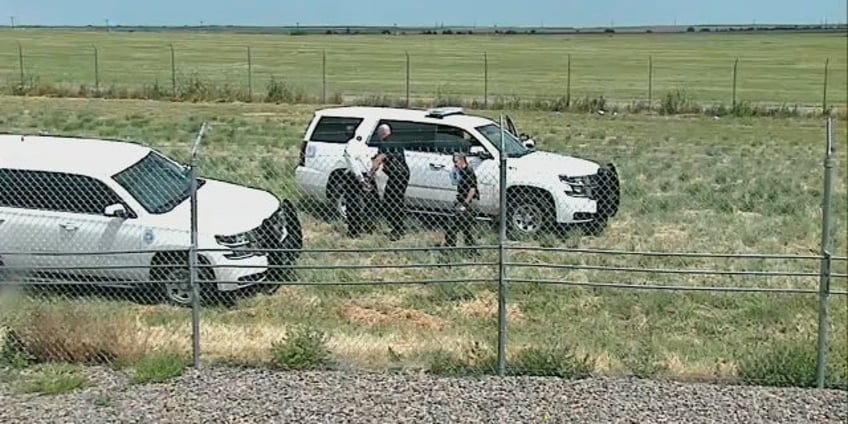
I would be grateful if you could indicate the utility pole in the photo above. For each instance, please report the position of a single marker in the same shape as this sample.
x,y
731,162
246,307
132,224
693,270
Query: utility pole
x,y
12,19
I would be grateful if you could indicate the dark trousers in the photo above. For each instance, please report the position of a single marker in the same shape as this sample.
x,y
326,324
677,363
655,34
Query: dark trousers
x,y
394,203
359,203
460,222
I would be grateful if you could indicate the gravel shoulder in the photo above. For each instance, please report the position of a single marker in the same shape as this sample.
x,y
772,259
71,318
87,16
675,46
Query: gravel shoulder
x,y
228,395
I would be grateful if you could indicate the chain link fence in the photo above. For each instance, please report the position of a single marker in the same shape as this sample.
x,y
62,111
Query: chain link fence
x,y
450,244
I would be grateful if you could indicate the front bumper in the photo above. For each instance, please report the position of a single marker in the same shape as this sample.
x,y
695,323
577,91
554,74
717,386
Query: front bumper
x,y
601,200
276,252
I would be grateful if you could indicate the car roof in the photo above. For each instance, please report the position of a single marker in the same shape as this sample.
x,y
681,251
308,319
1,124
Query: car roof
x,y
404,114
73,155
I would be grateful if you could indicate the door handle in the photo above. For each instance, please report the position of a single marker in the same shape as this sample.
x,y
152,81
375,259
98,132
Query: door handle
x,y
437,166
69,227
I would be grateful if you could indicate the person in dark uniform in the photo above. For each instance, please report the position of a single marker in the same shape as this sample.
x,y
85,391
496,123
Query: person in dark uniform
x,y
466,193
392,159
359,187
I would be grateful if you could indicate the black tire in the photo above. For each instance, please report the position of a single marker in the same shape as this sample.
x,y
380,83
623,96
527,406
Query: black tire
x,y
165,288
527,217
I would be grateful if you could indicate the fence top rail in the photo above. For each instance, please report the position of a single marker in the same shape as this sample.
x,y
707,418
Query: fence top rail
x,y
510,247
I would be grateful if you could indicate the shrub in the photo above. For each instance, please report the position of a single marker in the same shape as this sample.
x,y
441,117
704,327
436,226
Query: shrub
x,y
305,348
474,360
788,365
159,367
52,379
675,102
283,92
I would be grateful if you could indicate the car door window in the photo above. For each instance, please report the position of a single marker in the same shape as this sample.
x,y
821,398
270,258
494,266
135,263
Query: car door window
x,y
53,191
26,189
85,195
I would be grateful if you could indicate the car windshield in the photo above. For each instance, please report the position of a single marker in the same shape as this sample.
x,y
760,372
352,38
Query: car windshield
x,y
513,147
157,183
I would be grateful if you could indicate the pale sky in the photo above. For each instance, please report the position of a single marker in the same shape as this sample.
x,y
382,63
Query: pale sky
x,y
422,12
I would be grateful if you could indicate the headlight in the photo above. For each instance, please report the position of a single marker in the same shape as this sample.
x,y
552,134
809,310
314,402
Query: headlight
x,y
575,185
238,240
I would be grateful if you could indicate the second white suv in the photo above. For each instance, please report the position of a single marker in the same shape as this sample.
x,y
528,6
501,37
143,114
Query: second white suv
x,y
118,214
543,188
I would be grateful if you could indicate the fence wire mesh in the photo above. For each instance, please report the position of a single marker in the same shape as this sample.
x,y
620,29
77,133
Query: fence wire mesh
x,y
371,247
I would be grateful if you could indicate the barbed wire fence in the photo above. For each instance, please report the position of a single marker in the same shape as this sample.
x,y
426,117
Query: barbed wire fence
x,y
240,79
560,267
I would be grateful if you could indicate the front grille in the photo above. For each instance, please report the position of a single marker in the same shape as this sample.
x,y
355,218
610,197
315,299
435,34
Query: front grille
x,y
602,187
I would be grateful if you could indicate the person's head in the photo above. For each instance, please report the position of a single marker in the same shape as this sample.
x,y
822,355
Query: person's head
x,y
459,160
383,131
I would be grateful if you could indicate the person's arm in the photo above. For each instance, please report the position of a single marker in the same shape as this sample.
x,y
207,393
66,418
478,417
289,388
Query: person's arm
x,y
378,160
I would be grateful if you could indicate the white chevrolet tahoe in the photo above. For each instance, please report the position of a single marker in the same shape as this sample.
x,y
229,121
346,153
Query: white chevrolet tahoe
x,y
543,188
118,214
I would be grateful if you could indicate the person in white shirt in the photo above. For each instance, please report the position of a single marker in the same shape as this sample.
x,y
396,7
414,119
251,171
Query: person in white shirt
x,y
359,187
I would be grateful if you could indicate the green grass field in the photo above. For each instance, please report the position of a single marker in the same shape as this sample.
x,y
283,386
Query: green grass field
x,y
773,68
690,184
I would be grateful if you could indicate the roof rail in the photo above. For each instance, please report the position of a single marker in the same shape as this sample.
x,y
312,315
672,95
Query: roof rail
x,y
441,112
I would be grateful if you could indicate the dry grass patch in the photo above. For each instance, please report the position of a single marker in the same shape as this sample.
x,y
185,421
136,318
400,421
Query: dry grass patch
x,y
76,333
485,305
378,315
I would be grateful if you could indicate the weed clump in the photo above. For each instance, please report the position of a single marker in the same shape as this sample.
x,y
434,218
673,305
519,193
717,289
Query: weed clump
x,y
789,365
304,349
552,360
159,367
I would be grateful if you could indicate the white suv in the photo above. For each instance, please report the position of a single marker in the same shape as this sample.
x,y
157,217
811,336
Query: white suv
x,y
118,214
543,188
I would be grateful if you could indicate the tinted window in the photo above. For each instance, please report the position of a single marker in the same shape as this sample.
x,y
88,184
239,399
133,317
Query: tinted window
x,y
431,138
335,129
54,192
157,183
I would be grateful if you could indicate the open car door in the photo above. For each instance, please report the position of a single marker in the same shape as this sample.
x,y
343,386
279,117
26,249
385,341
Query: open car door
x,y
525,139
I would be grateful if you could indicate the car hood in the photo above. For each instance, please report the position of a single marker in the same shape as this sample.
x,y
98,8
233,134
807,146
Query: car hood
x,y
552,162
223,209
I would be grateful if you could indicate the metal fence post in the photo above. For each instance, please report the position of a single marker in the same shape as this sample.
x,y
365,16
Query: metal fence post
x,y
249,75
21,63
568,84
826,247
824,90
735,67
96,70
650,82
173,72
485,80
323,77
502,240
407,78
192,257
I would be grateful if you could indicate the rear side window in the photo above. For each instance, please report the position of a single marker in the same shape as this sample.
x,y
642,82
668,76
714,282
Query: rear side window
x,y
332,129
53,191
427,138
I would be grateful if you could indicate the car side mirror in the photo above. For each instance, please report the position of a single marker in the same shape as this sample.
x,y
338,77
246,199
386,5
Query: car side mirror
x,y
481,152
116,211
527,141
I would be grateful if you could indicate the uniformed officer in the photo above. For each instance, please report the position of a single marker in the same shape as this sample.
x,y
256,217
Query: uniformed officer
x,y
466,193
392,159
